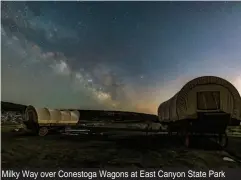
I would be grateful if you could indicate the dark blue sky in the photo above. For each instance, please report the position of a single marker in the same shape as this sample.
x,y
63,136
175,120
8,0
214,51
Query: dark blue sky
x,y
122,55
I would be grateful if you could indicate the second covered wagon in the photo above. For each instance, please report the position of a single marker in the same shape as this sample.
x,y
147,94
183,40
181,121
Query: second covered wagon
x,y
205,105
41,120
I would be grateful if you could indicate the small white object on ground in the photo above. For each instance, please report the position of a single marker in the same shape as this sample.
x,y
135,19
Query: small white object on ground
x,y
228,159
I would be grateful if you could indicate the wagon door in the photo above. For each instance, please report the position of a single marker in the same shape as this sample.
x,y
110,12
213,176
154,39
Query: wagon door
x,y
210,116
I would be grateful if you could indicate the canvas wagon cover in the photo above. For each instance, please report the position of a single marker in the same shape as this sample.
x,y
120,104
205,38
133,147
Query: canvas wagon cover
x,y
176,107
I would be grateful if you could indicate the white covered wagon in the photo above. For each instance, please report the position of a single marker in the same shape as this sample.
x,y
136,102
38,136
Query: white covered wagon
x,y
41,120
204,105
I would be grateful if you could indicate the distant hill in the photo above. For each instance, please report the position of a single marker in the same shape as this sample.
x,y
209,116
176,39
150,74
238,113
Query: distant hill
x,y
7,106
117,115
90,114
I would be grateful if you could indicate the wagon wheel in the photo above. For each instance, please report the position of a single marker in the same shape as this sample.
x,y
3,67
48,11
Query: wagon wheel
x,y
223,140
43,131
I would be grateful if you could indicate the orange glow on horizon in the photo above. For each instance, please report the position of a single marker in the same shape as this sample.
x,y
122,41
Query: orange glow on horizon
x,y
155,96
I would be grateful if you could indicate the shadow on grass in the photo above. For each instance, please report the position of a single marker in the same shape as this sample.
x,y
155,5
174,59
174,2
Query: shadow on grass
x,y
138,142
153,151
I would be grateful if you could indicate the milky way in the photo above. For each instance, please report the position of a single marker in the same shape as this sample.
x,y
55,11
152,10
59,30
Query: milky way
x,y
114,55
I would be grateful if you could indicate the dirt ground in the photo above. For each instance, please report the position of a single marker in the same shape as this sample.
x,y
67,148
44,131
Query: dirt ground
x,y
154,151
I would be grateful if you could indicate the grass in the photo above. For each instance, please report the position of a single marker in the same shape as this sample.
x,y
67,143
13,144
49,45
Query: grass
x,y
21,150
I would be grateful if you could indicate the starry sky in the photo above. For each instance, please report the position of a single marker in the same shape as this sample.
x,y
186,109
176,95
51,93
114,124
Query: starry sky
x,y
128,56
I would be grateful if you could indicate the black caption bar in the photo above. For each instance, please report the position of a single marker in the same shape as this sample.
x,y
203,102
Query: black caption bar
x,y
112,174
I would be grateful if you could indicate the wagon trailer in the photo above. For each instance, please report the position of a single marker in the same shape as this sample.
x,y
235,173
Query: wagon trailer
x,y
41,121
204,106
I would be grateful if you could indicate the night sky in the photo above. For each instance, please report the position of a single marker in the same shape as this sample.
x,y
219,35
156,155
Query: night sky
x,y
115,55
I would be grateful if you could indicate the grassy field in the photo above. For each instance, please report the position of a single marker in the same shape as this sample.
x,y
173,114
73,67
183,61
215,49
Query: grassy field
x,y
21,150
